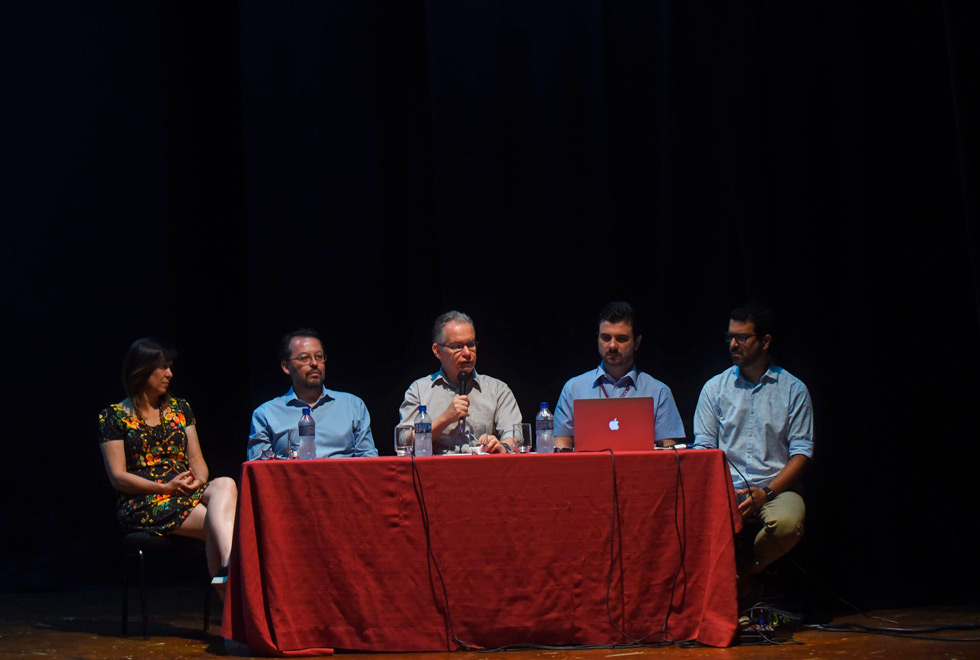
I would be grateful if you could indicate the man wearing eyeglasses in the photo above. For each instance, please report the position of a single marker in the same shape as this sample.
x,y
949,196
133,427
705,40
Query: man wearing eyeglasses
x,y
343,425
462,422
760,415
618,376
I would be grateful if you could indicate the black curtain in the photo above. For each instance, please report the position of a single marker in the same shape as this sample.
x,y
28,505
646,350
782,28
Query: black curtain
x,y
219,174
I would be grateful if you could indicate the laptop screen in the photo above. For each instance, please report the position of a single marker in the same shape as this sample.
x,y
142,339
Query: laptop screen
x,y
617,424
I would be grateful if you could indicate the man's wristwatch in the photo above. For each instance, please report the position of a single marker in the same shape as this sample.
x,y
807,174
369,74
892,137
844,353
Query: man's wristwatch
x,y
769,493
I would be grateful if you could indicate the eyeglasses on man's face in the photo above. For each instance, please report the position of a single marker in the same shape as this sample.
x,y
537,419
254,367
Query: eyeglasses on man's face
x,y
458,346
306,359
739,337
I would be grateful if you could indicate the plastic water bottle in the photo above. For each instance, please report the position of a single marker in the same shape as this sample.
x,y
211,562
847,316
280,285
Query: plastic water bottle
x,y
423,433
544,425
307,435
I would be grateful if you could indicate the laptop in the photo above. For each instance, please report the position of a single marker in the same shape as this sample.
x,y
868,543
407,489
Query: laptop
x,y
617,424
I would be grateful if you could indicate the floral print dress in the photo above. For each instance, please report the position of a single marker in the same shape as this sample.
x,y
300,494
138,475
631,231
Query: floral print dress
x,y
157,453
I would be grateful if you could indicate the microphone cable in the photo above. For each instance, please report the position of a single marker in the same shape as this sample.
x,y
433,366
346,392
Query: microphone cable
x,y
679,502
420,496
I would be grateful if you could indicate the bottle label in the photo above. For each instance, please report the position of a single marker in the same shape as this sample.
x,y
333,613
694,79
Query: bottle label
x,y
422,427
545,425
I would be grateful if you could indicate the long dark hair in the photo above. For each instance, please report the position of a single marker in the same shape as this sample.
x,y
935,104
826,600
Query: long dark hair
x,y
143,357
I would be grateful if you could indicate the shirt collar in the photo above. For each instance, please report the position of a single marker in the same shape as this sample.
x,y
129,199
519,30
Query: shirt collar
x,y
629,378
295,402
771,376
440,378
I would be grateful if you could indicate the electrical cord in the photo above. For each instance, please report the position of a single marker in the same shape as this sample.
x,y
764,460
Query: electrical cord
x,y
914,632
679,501
420,496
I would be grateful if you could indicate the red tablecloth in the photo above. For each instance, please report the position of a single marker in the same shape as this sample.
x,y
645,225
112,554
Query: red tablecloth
x,y
332,553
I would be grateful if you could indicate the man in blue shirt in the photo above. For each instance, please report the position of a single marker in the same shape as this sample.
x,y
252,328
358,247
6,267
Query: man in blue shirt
x,y
343,425
760,415
618,376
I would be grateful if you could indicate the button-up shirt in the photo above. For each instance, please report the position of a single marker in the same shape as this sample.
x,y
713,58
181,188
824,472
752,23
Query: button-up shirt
x,y
343,425
597,384
758,425
492,405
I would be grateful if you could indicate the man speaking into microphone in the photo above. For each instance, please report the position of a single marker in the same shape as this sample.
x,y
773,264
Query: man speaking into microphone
x,y
467,408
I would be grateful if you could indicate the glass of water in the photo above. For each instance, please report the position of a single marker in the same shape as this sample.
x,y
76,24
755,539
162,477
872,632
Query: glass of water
x,y
481,434
522,437
404,441
290,445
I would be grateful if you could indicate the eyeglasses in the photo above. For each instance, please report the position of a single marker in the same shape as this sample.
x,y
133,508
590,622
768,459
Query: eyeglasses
x,y
306,360
740,337
457,347
271,455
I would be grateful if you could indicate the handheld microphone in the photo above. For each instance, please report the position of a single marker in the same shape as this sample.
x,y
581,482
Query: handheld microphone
x,y
463,378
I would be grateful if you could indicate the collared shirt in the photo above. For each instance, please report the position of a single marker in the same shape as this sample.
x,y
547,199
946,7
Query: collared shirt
x,y
759,426
597,384
343,425
492,405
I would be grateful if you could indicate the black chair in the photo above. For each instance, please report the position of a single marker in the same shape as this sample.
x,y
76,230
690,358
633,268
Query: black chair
x,y
775,585
137,547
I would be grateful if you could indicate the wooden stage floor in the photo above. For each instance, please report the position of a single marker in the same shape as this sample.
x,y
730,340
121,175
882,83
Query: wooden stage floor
x,y
85,625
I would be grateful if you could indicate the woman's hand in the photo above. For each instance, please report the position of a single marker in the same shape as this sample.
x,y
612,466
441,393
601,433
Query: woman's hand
x,y
184,483
195,482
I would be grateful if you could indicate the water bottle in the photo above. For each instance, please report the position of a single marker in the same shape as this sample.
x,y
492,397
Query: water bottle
x,y
307,435
423,433
544,424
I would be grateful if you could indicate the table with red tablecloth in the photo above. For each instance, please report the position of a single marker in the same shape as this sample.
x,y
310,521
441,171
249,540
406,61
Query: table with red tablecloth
x,y
378,554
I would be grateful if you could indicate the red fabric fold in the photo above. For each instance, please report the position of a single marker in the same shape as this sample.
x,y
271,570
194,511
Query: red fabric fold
x,y
332,553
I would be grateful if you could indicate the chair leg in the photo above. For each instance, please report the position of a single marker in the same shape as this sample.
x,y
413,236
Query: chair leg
x,y
207,605
146,619
125,593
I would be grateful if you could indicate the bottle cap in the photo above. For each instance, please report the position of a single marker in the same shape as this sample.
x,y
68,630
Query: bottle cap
x,y
544,404
306,411
421,409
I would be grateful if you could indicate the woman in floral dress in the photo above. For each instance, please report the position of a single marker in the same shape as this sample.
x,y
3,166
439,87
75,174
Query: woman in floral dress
x,y
153,457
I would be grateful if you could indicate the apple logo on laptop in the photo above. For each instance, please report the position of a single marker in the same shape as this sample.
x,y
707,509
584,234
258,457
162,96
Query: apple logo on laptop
x,y
614,424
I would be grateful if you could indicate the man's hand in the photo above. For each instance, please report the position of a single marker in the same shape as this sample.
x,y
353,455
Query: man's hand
x,y
458,409
756,497
493,445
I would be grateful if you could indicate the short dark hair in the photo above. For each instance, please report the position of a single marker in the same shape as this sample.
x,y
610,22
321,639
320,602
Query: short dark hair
x,y
143,357
758,314
620,311
452,316
284,346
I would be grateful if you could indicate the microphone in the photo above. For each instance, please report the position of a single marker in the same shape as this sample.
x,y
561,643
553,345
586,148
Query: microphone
x,y
463,378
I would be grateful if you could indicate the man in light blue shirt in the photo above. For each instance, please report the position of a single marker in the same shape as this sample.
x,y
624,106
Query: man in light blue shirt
x,y
760,416
343,425
618,376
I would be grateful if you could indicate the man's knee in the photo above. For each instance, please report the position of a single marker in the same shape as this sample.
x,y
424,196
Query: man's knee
x,y
783,517
781,528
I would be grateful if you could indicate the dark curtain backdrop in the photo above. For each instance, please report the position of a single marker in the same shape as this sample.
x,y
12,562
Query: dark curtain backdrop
x,y
217,174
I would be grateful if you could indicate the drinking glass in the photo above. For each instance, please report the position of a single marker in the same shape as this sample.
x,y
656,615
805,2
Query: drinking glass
x,y
480,432
404,441
522,437
290,445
